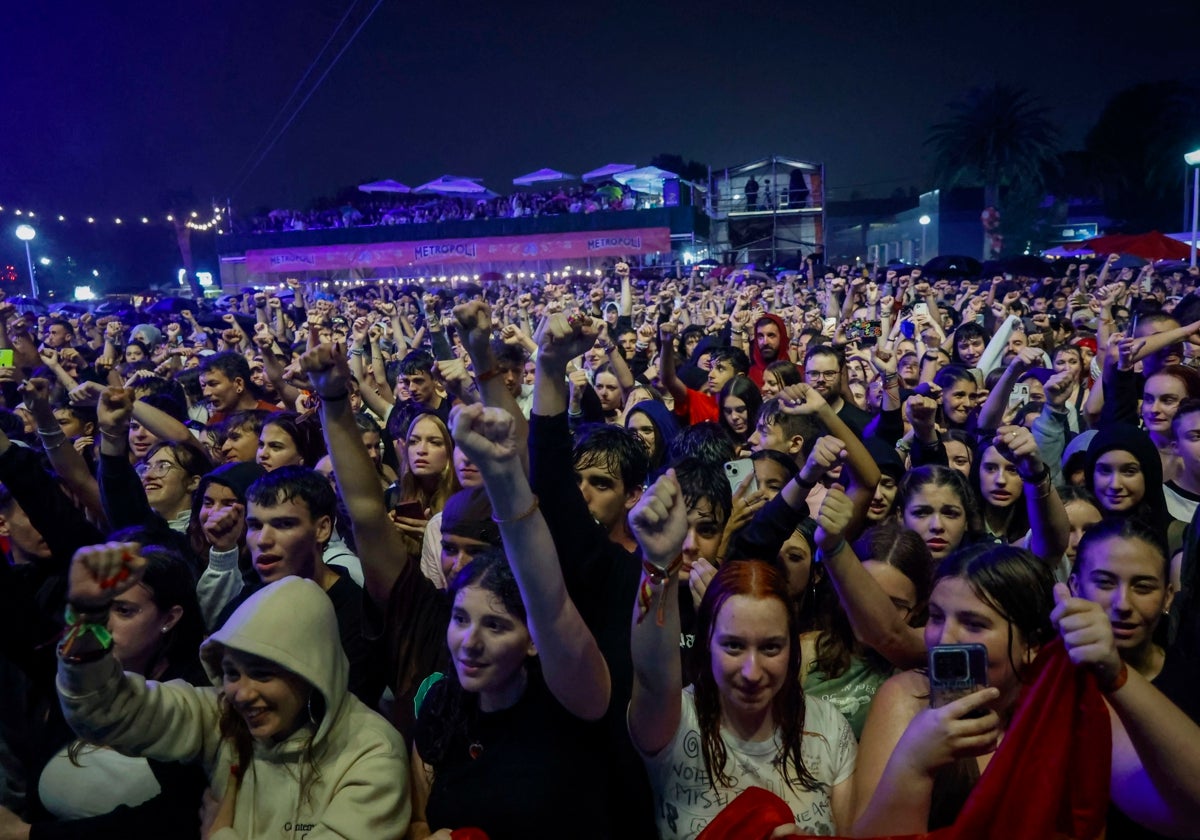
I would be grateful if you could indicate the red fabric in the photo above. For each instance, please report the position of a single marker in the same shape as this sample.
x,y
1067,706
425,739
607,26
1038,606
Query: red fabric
x,y
1049,778
698,408
757,364
753,815
468,834
1150,246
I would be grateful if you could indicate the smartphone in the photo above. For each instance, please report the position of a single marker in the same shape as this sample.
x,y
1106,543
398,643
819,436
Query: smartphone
x,y
409,510
737,471
921,308
956,671
1019,395
6,358
907,329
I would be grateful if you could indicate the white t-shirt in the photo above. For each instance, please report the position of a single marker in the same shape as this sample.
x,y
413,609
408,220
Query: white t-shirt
x,y
685,802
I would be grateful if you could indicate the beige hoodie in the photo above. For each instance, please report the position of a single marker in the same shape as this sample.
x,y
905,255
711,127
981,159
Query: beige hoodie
x,y
360,788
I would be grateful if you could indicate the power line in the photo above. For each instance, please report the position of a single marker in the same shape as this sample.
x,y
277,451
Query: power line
x,y
295,113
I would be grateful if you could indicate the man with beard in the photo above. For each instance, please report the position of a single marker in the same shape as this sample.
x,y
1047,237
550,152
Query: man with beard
x,y
824,371
770,344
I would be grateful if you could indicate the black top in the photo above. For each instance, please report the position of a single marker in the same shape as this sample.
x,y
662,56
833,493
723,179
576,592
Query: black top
x,y
602,579
523,772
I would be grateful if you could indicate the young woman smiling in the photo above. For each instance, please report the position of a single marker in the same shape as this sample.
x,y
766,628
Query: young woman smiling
x,y
281,740
746,717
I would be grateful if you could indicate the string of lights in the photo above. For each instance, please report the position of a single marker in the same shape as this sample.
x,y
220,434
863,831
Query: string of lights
x,y
191,221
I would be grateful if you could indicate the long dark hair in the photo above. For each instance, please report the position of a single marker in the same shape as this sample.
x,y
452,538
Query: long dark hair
x,y
744,389
1010,580
939,476
305,432
1016,517
757,580
448,711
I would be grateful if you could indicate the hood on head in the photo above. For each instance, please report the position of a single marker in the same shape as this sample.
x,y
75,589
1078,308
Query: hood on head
x,y
757,363
661,417
468,513
290,622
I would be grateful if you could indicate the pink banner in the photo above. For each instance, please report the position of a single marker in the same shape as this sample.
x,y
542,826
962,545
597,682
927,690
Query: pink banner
x,y
551,246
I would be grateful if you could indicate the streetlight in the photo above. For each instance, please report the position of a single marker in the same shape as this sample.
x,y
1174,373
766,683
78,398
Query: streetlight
x,y
26,233
1192,159
924,221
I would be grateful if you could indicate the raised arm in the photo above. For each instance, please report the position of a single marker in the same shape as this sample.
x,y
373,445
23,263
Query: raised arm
x,y
380,546
1156,746
670,379
475,326
1049,527
873,616
991,415
65,459
659,521
160,424
572,664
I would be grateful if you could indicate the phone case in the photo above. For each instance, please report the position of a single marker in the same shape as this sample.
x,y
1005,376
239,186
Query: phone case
x,y
736,472
956,671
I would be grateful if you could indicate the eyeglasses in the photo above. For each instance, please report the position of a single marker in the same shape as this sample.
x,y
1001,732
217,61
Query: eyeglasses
x,y
823,374
903,608
156,470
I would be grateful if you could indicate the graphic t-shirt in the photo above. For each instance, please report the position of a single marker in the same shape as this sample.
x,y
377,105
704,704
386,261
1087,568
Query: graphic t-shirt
x,y
685,802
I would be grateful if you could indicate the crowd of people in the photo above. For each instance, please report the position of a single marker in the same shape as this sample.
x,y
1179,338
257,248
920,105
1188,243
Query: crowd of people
x,y
404,209
598,559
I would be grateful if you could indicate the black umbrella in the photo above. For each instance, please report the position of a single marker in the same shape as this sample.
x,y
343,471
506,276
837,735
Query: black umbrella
x,y
216,321
952,265
23,303
172,306
1026,265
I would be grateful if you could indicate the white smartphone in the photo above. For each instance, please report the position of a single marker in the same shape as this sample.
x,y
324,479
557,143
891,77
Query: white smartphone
x,y
737,471
921,308
1019,395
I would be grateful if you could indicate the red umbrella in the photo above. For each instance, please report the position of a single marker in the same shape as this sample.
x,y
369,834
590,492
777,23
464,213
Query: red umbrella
x,y
1150,246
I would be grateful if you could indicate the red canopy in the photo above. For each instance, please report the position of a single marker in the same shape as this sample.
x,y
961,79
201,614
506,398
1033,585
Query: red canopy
x,y
1148,246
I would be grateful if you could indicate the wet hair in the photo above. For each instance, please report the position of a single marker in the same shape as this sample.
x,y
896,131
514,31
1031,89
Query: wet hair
x,y
1121,529
950,374
699,481
1010,580
736,357
968,331
785,463
614,449
165,402
785,372
705,441
742,388
448,711
305,432
232,365
416,362
938,476
293,483
509,355
250,419
772,414
1016,516
761,581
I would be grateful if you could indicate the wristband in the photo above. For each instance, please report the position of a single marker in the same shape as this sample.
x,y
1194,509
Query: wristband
x,y
334,397
1038,477
821,556
656,576
1120,680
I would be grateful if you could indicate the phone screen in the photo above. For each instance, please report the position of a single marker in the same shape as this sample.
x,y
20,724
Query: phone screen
x,y
6,358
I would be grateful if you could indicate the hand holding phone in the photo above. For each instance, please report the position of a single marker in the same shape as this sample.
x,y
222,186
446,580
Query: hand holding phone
x,y
956,671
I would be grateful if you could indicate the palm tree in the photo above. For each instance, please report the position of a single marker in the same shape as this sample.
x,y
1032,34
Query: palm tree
x,y
996,137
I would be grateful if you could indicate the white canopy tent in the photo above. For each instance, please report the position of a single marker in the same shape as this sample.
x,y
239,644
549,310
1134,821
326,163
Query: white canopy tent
x,y
543,176
607,171
387,185
453,185
647,179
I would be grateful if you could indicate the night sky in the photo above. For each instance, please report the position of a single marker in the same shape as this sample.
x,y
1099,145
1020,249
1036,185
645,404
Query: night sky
x,y
106,105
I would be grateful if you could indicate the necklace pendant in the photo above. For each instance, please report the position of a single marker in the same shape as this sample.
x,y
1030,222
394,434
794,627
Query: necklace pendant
x,y
475,750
